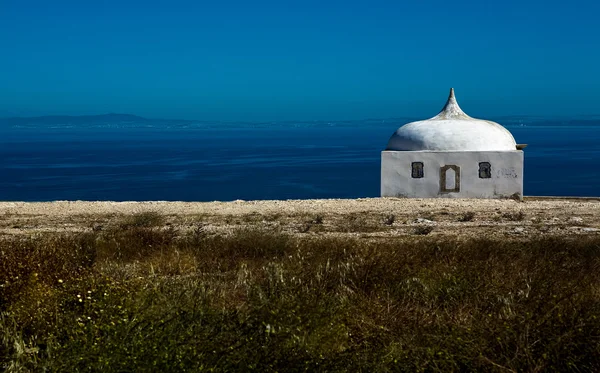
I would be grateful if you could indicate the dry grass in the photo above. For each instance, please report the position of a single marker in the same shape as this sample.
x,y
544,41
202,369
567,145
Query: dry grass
x,y
514,216
143,296
423,230
467,216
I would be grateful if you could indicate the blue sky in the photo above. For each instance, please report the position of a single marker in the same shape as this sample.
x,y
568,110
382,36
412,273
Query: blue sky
x,y
280,60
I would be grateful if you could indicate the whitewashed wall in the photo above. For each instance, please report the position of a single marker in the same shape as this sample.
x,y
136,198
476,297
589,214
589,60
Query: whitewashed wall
x,y
506,180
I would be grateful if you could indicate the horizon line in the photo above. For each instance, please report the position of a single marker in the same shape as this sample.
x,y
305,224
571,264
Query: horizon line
x,y
562,116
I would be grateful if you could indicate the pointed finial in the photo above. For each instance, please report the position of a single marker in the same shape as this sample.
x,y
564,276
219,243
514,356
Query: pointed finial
x,y
451,110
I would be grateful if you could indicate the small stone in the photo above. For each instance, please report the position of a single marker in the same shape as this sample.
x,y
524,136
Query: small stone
x,y
424,221
588,229
519,230
576,220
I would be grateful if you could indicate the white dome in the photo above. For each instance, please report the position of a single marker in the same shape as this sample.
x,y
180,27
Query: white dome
x,y
452,130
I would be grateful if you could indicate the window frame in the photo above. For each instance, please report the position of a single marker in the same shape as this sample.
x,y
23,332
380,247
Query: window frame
x,y
417,170
482,170
443,176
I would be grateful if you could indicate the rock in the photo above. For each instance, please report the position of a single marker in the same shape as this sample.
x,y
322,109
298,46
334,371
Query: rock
x,y
589,229
519,230
575,220
424,221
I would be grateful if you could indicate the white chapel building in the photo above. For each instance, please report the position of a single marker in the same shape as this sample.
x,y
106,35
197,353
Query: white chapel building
x,y
452,155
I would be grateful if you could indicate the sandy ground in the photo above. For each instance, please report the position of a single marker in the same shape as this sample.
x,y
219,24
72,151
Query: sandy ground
x,y
375,217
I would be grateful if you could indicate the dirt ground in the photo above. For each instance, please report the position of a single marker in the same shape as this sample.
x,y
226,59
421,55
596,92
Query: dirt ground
x,y
365,217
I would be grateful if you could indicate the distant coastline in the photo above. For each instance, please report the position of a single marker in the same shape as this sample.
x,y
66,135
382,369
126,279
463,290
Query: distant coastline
x,y
113,120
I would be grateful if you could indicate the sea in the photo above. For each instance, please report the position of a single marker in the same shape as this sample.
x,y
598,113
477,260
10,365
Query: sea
x,y
129,159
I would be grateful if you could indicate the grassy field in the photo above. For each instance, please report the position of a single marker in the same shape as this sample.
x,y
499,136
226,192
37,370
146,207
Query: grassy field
x,y
140,295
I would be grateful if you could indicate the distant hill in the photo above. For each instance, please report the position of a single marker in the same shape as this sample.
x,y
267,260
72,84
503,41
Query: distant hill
x,y
113,120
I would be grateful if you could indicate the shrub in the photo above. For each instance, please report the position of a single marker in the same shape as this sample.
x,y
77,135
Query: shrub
x,y
304,228
146,219
355,223
514,216
467,216
423,229
318,219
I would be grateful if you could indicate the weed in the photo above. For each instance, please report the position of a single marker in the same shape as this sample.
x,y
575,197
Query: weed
x,y
467,216
517,197
429,216
146,219
305,228
423,229
514,216
358,224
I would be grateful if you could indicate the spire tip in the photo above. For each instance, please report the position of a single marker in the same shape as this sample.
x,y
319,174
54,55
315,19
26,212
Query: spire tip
x,y
451,110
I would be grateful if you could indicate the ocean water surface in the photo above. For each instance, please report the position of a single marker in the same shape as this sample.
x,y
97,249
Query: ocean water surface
x,y
246,161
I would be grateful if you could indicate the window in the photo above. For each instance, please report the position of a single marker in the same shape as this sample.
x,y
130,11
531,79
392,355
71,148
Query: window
x,y
485,170
417,170
450,179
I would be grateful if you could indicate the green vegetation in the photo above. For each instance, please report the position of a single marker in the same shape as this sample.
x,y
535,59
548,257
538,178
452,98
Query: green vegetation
x,y
141,296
